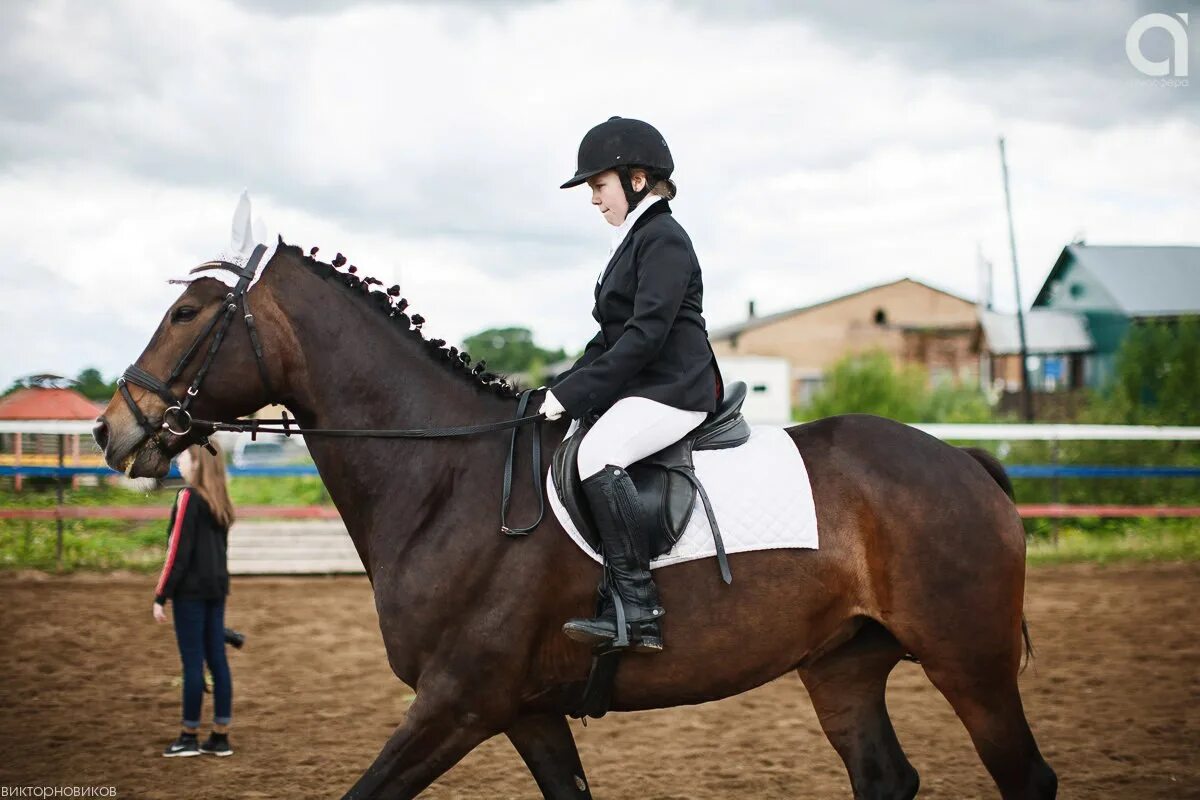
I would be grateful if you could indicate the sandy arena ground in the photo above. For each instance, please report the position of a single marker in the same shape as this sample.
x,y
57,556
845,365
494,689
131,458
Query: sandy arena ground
x,y
89,695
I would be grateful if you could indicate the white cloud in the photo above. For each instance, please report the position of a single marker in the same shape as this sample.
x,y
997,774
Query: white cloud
x,y
426,142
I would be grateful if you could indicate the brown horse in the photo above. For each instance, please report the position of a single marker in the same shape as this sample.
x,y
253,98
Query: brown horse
x,y
921,553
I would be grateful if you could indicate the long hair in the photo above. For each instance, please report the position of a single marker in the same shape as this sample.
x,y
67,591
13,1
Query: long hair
x,y
210,481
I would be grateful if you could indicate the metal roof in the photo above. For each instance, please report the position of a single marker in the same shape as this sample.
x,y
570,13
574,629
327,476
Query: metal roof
x,y
1047,330
1144,280
726,331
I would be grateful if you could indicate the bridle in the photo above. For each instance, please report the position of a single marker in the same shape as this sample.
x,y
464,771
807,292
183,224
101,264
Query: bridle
x,y
177,407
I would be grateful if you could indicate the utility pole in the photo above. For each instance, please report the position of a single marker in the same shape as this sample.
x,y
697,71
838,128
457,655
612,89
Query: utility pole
x,y
58,508
1026,395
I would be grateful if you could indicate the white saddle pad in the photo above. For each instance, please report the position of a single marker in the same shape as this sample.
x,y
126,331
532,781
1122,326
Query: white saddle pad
x,y
760,494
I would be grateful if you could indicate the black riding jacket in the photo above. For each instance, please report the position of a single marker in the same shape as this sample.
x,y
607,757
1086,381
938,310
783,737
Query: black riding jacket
x,y
652,340
195,566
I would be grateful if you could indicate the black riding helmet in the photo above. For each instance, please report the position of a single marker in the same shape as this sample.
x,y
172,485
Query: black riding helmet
x,y
620,144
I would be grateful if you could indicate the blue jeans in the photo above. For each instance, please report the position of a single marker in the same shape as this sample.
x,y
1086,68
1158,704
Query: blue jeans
x,y
200,632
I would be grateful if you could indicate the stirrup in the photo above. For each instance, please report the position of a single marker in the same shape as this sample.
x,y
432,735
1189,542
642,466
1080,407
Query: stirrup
x,y
613,632
646,638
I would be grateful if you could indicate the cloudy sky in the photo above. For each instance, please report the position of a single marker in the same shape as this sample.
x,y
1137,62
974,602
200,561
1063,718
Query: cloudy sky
x,y
820,147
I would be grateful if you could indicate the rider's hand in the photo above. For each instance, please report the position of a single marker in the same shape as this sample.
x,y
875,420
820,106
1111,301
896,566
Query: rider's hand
x,y
160,613
551,407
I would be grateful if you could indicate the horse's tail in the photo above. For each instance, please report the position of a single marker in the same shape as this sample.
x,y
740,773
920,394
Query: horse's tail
x,y
1028,643
996,470
993,467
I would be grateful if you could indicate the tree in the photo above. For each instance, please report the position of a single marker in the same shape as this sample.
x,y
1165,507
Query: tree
x,y
509,350
870,384
91,385
1157,372
41,380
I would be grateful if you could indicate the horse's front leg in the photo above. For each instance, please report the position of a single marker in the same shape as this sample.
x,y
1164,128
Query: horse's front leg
x,y
434,736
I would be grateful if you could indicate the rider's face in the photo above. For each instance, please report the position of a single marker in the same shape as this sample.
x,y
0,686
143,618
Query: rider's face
x,y
609,197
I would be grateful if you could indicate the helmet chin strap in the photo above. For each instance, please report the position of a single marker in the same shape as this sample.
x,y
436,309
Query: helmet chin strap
x,y
631,197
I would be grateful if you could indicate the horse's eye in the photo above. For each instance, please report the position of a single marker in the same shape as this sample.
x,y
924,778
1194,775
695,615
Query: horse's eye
x,y
183,314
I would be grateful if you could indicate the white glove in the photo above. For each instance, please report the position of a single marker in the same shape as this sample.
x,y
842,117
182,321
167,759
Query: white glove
x,y
551,407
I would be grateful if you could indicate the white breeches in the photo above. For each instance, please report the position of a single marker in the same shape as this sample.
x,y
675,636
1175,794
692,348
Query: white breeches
x,y
631,429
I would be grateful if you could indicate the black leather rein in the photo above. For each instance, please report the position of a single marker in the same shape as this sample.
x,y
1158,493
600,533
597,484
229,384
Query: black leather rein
x,y
287,426
199,430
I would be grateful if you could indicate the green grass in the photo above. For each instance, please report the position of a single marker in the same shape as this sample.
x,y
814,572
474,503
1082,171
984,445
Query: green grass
x,y
294,490
267,491
1121,541
100,545
103,495
97,544
103,545
113,544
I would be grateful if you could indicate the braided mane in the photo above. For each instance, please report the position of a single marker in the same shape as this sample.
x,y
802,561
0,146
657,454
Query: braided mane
x,y
389,303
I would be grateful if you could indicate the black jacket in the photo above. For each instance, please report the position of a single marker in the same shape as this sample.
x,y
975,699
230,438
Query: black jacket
x,y
195,566
652,340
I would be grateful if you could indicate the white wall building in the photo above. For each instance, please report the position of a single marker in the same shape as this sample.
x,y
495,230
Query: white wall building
x,y
768,387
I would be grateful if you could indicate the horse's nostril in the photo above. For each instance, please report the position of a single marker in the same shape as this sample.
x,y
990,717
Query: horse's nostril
x,y
100,433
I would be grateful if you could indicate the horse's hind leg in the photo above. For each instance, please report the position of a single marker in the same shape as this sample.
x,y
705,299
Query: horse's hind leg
x,y
847,690
548,748
986,699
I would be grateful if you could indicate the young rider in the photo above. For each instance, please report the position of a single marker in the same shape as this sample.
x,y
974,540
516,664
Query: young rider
x,y
649,373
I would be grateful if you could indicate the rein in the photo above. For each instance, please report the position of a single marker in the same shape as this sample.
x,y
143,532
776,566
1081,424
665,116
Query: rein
x,y
284,425
189,427
287,426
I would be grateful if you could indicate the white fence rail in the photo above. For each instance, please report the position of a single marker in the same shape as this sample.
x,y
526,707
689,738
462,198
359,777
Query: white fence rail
x,y
1060,433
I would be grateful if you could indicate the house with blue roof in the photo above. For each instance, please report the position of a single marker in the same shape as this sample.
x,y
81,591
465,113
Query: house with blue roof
x,y
1112,287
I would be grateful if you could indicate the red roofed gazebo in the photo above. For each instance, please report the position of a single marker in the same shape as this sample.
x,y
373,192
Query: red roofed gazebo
x,y
44,402
36,402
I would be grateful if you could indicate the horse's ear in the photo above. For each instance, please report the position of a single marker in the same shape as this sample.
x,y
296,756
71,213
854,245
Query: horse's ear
x,y
242,240
281,243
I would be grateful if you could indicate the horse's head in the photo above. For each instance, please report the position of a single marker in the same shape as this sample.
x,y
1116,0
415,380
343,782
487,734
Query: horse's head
x,y
200,362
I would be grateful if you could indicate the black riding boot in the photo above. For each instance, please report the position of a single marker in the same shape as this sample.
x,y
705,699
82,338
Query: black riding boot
x,y
613,501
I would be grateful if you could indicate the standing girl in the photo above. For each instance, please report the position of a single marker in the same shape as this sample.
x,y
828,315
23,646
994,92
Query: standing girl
x,y
195,577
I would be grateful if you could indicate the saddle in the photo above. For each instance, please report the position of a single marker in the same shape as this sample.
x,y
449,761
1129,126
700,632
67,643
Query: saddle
x,y
666,481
